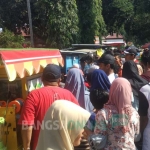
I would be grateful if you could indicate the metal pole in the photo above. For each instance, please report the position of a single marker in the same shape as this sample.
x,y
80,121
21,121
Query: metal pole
x,y
30,23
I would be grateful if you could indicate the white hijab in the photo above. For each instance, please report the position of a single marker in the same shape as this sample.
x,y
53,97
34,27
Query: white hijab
x,y
64,120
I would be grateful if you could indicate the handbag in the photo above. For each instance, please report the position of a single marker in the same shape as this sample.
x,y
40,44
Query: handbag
x,y
97,141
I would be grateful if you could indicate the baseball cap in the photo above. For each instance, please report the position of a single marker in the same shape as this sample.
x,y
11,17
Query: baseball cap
x,y
131,50
51,73
107,58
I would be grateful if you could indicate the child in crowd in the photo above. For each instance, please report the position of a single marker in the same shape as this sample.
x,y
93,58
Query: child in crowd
x,y
98,98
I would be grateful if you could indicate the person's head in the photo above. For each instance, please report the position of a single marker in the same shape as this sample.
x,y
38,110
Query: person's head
x,y
118,62
98,98
107,63
145,59
99,79
130,53
51,75
76,66
83,62
75,84
74,75
89,59
67,121
90,71
120,95
117,57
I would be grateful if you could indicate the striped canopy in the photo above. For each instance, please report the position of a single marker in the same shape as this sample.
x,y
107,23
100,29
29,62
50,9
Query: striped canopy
x,y
30,61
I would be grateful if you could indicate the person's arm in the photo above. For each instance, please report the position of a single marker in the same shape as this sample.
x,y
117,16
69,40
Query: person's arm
x,y
26,132
137,130
89,127
100,125
144,121
98,140
143,111
27,120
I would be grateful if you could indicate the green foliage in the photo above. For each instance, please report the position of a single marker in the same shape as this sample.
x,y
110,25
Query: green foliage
x,y
116,13
138,27
13,12
91,20
62,22
9,40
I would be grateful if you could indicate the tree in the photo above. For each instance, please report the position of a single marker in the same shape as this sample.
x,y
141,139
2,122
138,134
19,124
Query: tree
x,y
9,40
61,22
116,13
91,21
138,27
13,12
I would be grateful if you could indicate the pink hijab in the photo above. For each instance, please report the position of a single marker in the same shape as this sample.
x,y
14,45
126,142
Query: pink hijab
x,y
120,97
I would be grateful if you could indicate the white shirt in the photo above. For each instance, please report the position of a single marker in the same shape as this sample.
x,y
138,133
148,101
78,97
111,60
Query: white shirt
x,y
112,77
88,105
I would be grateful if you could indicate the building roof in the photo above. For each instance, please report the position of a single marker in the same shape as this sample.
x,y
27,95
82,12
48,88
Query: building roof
x,y
114,36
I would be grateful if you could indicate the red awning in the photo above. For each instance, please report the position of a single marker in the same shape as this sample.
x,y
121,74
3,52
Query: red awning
x,y
30,61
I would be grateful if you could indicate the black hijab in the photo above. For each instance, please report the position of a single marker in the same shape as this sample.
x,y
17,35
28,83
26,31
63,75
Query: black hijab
x,y
130,72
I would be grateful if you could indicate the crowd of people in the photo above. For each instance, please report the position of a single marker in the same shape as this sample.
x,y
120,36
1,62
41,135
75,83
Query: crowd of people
x,y
105,102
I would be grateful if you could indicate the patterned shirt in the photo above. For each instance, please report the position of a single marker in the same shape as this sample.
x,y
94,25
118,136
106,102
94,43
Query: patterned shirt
x,y
107,123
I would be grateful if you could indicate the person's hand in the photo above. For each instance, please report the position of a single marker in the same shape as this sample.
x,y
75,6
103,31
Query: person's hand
x,y
87,133
118,61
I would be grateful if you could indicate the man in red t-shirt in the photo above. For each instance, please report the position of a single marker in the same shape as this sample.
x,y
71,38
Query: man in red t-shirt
x,y
38,102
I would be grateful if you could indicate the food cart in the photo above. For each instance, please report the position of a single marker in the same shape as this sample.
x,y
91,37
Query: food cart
x,y
20,73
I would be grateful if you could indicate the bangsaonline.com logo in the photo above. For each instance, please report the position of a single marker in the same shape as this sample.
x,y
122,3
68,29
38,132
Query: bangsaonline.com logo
x,y
55,125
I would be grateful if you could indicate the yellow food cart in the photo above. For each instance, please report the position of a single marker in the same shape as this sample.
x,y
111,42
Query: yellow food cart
x,y
20,73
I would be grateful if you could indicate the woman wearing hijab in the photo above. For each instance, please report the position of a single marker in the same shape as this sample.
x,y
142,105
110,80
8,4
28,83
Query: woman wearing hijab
x,y
140,89
89,75
130,72
62,126
99,80
118,120
75,84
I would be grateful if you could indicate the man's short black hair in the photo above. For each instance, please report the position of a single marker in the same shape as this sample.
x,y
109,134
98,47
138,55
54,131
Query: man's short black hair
x,y
98,98
83,59
89,58
108,59
117,54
